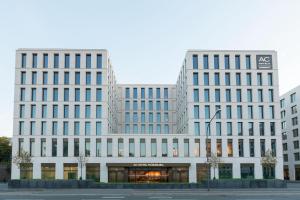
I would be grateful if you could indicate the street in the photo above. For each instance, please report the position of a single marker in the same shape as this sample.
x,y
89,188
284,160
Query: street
x,y
291,193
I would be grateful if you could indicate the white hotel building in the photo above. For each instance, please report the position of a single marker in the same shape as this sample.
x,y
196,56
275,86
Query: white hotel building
x,y
68,103
289,104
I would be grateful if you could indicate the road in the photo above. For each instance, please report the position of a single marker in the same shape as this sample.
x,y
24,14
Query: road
x,y
290,193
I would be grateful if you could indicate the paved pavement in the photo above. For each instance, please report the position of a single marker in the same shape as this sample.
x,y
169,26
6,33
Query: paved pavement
x,y
290,193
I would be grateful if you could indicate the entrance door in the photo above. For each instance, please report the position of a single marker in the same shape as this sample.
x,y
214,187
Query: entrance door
x,y
147,175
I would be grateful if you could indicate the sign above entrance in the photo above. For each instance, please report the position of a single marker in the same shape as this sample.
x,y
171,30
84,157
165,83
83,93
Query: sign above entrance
x,y
148,165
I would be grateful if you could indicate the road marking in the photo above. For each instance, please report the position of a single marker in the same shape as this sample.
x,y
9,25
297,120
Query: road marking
x,y
160,197
113,197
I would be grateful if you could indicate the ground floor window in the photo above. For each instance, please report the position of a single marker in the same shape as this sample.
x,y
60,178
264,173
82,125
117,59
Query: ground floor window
x,y
269,171
93,171
247,171
26,170
148,174
202,172
286,173
70,171
297,172
225,171
48,171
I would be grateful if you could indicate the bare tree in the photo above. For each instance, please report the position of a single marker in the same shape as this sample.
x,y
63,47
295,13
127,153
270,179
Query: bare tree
x,y
214,161
22,159
268,161
82,160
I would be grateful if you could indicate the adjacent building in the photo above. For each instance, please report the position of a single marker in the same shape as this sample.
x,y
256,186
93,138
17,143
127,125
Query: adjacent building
x,y
289,104
68,105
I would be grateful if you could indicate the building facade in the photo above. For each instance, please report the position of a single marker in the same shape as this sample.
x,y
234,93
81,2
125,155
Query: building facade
x,y
68,105
289,103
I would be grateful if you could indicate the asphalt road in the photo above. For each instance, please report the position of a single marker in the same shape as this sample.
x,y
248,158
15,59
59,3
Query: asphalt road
x,y
291,193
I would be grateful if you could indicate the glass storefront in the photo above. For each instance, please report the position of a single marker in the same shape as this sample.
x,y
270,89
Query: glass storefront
x,y
70,171
247,171
202,172
269,171
26,170
225,171
148,174
93,171
48,171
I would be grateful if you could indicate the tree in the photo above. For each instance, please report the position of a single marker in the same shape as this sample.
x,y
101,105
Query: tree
x,y
22,159
214,161
5,150
268,161
82,160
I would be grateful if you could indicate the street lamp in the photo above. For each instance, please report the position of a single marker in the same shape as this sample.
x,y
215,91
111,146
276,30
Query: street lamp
x,y
207,134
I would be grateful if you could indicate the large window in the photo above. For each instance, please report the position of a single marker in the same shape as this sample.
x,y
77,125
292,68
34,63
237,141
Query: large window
x,y
247,171
225,171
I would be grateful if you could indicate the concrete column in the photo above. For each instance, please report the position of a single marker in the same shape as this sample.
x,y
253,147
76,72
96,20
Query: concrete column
x,y
279,169
103,173
236,170
83,172
258,173
59,170
36,170
15,172
292,173
193,173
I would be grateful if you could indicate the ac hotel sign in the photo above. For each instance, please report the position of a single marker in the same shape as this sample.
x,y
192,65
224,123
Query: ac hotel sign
x,y
264,61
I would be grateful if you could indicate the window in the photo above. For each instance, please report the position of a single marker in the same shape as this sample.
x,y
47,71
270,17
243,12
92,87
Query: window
x,y
166,93
55,78
229,148
259,79
294,109
87,111
197,148
205,62
261,128
270,79
237,62
153,148
295,132
135,105
150,93
99,61
239,112
228,112
251,128
98,147
45,60
77,78
228,95
109,147
77,61
293,97
164,148
229,128
34,78
271,96
87,78
65,147
226,62
262,147
247,171
142,93
261,112
158,105
250,112
251,148
67,61
23,78
295,121
240,128
217,79
56,61
99,78
206,95
54,128
207,112
87,128
66,94
98,94
296,144
217,95
195,61
127,93
77,94
98,128
44,111
249,95
142,148
33,111
197,128
248,62
238,78
260,95
186,148
249,79
98,111
66,111
45,78
216,62
66,78
175,148
158,93
54,147
21,128
22,94
76,128
43,147
23,60
135,93
196,112
271,111
65,128
239,95
297,156
227,79
22,111
76,147
44,94
195,78
87,94
282,103
219,147
241,147
34,60
120,147
206,79
88,61
218,129
196,95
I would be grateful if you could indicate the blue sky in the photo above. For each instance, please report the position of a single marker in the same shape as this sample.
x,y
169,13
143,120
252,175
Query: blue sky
x,y
147,40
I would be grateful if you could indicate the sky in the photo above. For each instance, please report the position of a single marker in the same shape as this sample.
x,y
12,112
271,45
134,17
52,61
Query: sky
x,y
147,39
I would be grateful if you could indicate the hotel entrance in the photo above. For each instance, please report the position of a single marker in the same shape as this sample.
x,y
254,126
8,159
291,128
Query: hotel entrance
x,y
148,173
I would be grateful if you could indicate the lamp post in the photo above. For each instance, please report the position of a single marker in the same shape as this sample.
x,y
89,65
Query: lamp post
x,y
207,158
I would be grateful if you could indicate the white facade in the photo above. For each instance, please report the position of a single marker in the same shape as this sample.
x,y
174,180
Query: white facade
x,y
289,104
130,128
